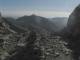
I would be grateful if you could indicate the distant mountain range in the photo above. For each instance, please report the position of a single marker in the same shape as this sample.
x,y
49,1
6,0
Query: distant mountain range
x,y
40,23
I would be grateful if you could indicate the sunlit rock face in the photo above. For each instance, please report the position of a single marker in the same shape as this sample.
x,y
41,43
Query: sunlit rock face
x,y
74,21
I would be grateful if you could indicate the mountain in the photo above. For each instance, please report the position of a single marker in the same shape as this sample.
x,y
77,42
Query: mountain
x,y
73,24
31,38
74,20
40,23
73,32
36,22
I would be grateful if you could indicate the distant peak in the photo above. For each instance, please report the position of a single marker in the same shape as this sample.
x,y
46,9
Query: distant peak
x,y
33,15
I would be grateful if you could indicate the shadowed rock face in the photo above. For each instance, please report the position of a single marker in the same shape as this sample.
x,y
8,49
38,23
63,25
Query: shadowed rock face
x,y
74,21
74,32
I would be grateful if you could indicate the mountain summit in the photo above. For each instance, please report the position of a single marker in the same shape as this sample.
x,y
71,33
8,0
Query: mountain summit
x,y
36,22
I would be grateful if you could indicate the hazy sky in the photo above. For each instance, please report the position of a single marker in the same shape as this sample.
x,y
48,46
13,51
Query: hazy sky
x,y
46,8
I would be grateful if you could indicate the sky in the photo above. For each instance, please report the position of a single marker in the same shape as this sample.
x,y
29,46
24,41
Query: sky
x,y
45,8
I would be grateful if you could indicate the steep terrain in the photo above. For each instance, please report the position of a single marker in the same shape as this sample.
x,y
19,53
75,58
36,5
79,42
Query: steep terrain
x,y
9,38
31,39
73,32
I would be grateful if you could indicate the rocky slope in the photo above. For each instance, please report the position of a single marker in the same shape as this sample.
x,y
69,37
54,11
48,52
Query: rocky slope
x,y
17,43
9,37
